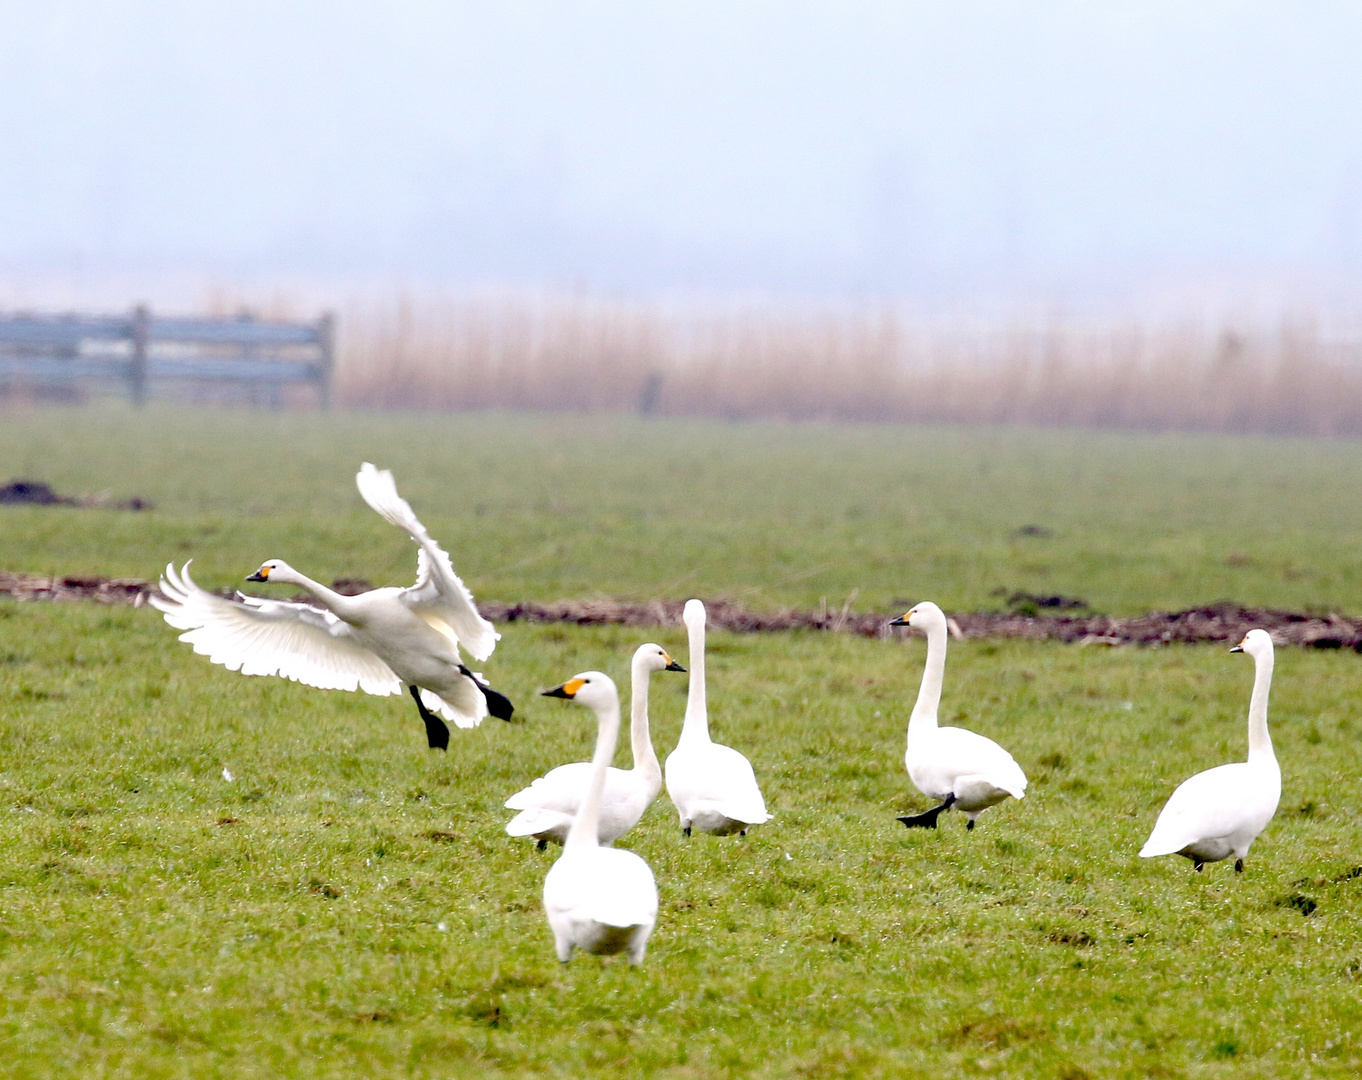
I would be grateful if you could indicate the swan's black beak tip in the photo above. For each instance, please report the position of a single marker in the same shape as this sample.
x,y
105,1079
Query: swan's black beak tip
x,y
257,576
557,691
1237,648
673,666
900,621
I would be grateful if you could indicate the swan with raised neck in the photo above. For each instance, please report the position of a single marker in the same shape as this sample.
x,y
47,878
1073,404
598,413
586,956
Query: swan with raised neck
x,y
965,771
1220,812
598,899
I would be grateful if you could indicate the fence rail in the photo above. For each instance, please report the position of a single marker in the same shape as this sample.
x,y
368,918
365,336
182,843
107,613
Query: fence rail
x,y
144,353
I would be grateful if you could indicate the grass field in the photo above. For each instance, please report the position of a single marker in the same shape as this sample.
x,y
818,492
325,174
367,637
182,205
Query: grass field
x,y
347,903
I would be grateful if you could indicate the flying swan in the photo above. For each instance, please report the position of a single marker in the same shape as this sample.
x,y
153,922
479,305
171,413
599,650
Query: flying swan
x,y
713,786
547,807
1220,812
598,899
378,641
966,771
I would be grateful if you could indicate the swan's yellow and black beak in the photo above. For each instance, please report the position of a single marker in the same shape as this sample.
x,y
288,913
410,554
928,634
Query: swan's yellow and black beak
x,y
263,574
1238,648
567,690
672,665
902,620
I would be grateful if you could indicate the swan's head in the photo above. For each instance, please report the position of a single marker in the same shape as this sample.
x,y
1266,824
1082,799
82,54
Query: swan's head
x,y
1256,643
274,570
651,657
693,614
924,616
593,688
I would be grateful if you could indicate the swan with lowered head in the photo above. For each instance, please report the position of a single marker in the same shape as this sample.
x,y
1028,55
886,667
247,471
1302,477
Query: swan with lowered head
x,y
378,641
713,786
549,805
1220,812
598,899
967,772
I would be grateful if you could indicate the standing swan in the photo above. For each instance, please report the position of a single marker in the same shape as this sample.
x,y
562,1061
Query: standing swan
x,y
378,641
1221,811
962,769
713,786
548,806
598,899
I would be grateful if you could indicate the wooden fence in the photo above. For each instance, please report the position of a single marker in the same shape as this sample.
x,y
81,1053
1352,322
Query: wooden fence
x,y
146,354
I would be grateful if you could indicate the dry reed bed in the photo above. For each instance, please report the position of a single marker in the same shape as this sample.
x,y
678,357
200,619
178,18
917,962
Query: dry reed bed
x,y
843,363
1217,623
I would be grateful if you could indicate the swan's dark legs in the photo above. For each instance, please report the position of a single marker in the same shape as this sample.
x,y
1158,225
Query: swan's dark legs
x,y
437,731
969,825
1238,866
686,831
1197,864
498,704
927,819
542,845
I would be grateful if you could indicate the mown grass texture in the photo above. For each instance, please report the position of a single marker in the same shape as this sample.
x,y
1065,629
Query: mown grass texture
x,y
544,508
347,903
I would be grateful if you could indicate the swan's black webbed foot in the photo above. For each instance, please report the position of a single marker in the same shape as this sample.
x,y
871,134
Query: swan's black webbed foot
x,y
927,819
437,731
686,831
1238,866
742,832
969,825
1197,864
542,845
498,704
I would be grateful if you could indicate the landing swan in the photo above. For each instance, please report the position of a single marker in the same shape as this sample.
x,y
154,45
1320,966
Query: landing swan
x,y
713,786
548,805
1220,812
598,899
378,642
966,771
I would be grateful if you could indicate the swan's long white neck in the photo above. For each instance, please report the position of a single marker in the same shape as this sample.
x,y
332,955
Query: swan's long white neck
x,y
1260,742
640,739
334,601
587,822
696,724
929,693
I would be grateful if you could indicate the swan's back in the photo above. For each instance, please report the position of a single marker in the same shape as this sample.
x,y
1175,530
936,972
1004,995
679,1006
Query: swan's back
x,y
938,757
715,777
1231,803
601,899
549,804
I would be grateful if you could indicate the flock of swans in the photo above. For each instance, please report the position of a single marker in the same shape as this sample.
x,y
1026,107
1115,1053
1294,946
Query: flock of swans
x,y
598,898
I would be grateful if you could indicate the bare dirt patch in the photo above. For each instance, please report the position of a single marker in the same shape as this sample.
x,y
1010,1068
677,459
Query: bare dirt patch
x,y
1223,622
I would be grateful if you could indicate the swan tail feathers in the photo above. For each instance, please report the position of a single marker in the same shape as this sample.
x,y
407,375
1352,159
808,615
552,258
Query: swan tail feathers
x,y
457,717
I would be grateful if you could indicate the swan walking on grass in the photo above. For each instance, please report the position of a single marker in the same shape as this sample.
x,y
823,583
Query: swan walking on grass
x,y
598,899
549,805
713,786
1220,812
967,772
378,641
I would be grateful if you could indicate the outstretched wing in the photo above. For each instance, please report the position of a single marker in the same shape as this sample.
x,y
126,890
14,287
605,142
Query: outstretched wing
x,y
271,637
438,592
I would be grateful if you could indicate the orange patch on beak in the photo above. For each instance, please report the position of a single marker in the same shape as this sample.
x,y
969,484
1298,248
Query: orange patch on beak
x,y
571,687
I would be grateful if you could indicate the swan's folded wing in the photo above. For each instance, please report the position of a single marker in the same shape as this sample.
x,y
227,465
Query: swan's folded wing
x,y
438,590
271,637
1207,806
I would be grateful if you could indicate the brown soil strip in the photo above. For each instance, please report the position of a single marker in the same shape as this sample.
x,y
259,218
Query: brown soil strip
x,y
1225,622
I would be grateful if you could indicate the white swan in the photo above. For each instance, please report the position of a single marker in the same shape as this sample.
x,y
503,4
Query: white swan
x,y
548,806
713,786
966,771
377,642
1220,812
598,899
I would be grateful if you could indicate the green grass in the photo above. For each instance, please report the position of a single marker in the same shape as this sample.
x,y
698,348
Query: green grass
x,y
363,914
348,904
771,515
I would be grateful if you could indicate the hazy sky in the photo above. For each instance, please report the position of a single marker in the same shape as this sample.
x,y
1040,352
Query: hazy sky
x,y
913,148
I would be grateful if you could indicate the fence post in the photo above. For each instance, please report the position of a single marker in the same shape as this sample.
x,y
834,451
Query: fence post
x,y
137,372
326,339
